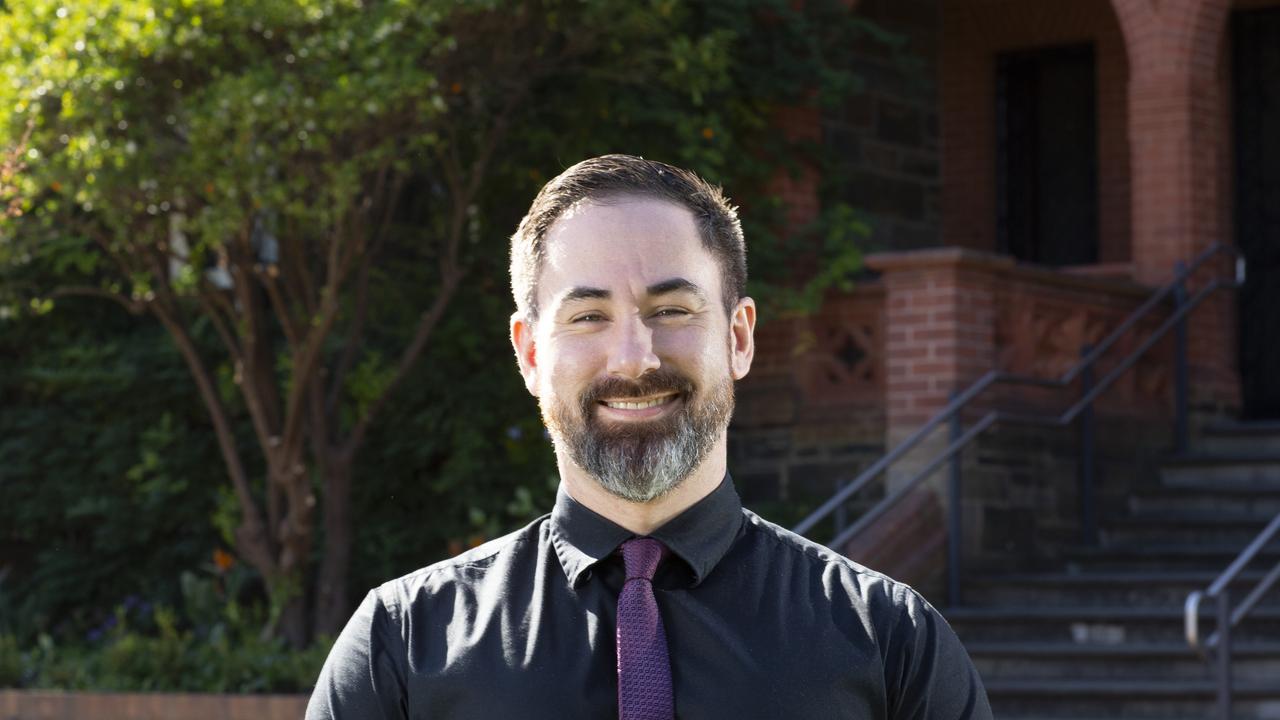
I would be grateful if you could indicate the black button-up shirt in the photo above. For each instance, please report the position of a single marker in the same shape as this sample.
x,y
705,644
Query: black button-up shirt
x,y
760,623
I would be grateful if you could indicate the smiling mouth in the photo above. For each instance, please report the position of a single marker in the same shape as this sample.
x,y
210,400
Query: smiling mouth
x,y
642,404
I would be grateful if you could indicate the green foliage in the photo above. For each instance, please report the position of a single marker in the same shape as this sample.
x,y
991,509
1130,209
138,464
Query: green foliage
x,y
12,663
215,646
208,115
105,467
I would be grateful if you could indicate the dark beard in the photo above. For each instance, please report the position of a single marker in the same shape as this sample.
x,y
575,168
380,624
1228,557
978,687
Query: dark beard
x,y
643,461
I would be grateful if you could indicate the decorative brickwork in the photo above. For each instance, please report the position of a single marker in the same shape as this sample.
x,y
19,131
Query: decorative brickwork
x,y
810,414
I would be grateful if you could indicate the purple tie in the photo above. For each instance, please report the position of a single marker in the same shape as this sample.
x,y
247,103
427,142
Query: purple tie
x,y
644,670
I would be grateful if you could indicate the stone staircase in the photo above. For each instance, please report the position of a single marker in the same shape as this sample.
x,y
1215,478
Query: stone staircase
x,y
1101,635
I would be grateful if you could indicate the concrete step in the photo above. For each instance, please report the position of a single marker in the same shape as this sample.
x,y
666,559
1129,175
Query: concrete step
x,y
1238,437
1146,699
1159,588
1098,625
1137,661
1238,528
1220,469
1231,498
1138,557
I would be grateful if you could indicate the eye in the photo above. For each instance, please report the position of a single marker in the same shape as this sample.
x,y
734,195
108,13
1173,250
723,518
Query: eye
x,y
589,317
671,312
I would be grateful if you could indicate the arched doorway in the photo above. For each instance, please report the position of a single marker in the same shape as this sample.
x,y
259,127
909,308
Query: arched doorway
x,y
1256,103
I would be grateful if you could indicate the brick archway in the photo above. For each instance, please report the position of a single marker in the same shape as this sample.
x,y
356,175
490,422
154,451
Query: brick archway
x,y
1180,158
1177,128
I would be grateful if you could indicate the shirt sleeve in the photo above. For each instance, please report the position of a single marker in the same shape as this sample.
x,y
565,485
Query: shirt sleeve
x,y
928,674
363,677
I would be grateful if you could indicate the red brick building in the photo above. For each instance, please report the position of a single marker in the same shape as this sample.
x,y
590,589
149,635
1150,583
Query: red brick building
x,y
1033,170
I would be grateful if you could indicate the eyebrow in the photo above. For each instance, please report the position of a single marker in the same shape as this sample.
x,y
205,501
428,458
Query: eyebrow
x,y
675,285
666,287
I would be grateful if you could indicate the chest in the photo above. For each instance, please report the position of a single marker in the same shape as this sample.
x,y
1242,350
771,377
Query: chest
x,y
730,657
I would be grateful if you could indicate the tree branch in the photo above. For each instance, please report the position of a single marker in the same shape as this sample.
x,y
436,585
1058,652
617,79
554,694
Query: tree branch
x,y
136,307
354,339
422,333
252,540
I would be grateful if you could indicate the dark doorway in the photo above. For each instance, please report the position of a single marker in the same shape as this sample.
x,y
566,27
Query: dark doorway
x,y
1047,155
1256,96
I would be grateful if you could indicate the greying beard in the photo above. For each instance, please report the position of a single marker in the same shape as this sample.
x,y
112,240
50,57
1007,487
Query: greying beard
x,y
644,462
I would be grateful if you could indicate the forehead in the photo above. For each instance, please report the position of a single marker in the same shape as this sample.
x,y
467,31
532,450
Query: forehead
x,y
625,242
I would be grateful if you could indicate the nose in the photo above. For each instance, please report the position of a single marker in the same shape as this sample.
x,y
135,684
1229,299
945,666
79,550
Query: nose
x,y
632,353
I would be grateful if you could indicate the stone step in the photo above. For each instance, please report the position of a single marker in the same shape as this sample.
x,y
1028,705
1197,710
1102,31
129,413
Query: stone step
x,y
1237,437
1145,699
1098,625
1217,469
1239,528
1159,588
1137,661
1232,498
1213,557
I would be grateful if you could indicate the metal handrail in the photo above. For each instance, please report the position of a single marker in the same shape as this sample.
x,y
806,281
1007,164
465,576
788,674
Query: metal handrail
x,y
951,412
1067,417
1227,618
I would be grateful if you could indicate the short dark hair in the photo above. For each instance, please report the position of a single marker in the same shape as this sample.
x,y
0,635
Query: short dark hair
x,y
610,176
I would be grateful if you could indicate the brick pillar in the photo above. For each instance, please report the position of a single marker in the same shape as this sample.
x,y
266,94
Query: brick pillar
x,y
940,329
1180,158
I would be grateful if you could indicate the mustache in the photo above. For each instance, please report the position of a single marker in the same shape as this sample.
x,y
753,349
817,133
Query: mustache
x,y
662,380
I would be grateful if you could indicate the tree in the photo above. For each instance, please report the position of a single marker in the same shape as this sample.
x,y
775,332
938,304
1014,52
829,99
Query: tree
x,y
254,169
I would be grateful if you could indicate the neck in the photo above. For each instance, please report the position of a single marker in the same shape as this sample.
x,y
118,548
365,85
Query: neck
x,y
644,518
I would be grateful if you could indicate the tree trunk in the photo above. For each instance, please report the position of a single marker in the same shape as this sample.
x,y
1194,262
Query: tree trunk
x,y
292,624
332,604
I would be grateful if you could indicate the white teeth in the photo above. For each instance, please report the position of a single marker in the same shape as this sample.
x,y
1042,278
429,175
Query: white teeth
x,y
640,405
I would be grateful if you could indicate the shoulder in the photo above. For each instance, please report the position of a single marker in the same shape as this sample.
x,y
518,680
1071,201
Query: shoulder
x,y
821,561
926,672
462,572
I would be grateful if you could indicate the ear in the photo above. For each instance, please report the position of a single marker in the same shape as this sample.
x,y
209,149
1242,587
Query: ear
x,y
742,337
522,339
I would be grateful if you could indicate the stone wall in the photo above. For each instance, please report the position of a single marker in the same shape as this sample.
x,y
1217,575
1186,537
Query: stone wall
x,y
811,412
883,141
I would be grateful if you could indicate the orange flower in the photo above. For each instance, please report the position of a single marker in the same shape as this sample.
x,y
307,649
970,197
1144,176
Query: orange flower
x,y
223,559
708,133
456,88
55,186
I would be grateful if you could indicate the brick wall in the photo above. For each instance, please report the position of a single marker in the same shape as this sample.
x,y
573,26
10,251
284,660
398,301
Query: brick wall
x,y
975,32
55,705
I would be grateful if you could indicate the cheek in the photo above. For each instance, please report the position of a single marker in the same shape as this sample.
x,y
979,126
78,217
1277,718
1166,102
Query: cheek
x,y
567,364
694,350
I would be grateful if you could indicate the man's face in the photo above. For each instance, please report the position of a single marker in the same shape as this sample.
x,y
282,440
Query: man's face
x,y
633,357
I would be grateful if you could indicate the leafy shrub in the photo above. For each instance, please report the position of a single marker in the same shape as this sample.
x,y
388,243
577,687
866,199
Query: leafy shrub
x,y
215,646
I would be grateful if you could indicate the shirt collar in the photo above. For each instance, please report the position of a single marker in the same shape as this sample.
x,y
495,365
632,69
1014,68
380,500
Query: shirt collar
x,y
700,535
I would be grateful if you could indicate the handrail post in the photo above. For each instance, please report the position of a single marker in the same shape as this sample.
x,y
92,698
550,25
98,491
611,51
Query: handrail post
x,y
841,513
954,529
1181,432
1224,654
1088,459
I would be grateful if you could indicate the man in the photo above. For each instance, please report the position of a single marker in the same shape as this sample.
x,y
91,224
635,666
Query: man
x,y
648,592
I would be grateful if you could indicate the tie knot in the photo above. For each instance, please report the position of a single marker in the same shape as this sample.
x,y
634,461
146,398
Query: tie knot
x,y
641,557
